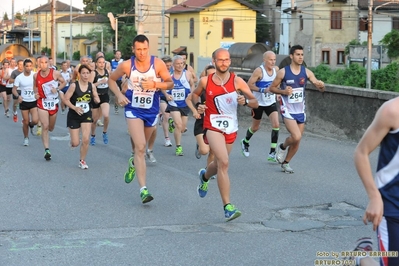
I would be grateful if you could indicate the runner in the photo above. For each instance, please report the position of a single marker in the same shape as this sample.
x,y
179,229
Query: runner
x,y
26,98
201,147
223,91
14,74
100,80
259,83
45,86
4,76
79,98
177,106
164,104
293,79
67,77
114,64
141,103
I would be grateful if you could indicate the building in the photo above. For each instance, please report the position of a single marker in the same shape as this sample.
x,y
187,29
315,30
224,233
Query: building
x,y
40,19
323,28
201,26
152,21
80,26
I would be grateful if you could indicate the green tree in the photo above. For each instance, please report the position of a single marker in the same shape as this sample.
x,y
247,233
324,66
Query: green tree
x,y
125,44
95,34
5,17
353,42
391,41
18,16
263,26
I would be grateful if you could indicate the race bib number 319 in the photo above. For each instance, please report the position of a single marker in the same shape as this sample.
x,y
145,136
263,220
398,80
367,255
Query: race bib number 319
x,y
49,104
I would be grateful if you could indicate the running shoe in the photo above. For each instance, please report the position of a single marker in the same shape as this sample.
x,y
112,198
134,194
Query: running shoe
x,y
171,125
15,118
47,155
245,148
231,212
362,244
7,113
150,156
83,165
39,131
31,129
168,143
116,109
179,151
202,188
146,196
105,138
280,153
197,153
272,157
26,142
92,140
131,171
286,168
100,123
63,111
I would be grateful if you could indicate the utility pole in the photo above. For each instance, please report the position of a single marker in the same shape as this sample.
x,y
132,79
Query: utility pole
x,y
140,19
70,31
163,29
369,44
53,34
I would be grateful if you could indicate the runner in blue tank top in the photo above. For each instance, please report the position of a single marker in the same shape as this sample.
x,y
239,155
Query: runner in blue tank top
x,y
383,191
293,80
146,75
183,84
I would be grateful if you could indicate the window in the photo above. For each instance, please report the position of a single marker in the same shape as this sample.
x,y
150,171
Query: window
x,y
191,28
175,27
174,2
363,24
326,57
227,28
340,58
395,23
336,20
192,59
300,22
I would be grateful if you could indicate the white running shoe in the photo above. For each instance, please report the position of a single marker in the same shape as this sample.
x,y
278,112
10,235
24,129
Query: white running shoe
x,y
150,156
26,142
168,143
83,165
285,167
100,123
245,148
280,154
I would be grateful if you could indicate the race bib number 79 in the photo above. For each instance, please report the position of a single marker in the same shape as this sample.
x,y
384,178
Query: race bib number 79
x,y
224,123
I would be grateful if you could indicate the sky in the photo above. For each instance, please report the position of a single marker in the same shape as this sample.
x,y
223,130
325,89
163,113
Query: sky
x,y
24,5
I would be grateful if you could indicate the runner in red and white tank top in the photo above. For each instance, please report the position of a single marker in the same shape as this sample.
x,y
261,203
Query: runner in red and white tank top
x,y
223,93
45,87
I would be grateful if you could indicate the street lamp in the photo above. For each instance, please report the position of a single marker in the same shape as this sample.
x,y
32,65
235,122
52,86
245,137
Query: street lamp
x,y
102,39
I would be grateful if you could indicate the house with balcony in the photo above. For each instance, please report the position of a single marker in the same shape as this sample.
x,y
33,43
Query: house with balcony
x,y
323,27
201,26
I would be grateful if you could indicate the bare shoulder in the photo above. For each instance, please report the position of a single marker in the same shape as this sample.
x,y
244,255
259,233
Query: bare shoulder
x,y
390,111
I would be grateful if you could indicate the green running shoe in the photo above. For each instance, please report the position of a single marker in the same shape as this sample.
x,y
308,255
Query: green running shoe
x,y
47,155
146,196
131,171
179,151
231,212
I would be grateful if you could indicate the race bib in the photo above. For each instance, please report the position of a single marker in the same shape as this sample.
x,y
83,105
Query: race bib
x,y
47,89
224,123
141,99
84,105
268,97
28,95
179,94
296,96
49,104
102,85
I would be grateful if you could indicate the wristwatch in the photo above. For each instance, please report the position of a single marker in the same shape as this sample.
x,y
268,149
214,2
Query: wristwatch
x,y
246,102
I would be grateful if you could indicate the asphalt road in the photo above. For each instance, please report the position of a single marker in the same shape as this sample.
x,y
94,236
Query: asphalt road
x,y
53,213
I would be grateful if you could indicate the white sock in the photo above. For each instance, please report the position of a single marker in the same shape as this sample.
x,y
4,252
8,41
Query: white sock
x,y
141,189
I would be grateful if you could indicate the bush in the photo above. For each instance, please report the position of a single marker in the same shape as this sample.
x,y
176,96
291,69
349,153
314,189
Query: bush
x,y
355,76
76,55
